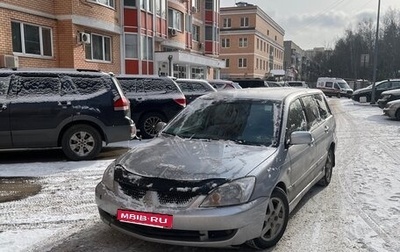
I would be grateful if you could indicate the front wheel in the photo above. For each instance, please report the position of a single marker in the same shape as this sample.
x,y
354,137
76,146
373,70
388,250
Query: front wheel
x,y
275,221
81,142
326,179
398,114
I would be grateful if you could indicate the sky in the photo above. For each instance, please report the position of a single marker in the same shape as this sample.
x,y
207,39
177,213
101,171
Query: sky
x,y
319,23
358,211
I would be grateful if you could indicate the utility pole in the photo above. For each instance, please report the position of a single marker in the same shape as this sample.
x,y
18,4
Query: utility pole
x,y
375,55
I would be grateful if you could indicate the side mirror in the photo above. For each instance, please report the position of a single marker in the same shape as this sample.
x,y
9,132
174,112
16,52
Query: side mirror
x,y
160,126
301,137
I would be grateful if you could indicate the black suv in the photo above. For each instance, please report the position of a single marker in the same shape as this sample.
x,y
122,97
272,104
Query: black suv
x,y
153,99
193,88
73,109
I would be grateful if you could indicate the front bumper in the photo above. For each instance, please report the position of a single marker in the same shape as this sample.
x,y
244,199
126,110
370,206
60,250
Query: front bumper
x,y
202,227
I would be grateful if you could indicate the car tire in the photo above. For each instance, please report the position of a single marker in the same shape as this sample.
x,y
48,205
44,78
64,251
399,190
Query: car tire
x,y
275,221
148,123
81,142
397,115
326,179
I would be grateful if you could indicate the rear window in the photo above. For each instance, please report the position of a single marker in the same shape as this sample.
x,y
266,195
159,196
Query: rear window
x,y
193,87
4,84
148,85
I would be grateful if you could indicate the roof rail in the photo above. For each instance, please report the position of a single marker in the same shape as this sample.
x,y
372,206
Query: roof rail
x,y
87,70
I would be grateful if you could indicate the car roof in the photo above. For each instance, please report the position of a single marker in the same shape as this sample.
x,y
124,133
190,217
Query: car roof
x,y
191,80
53,70
267,93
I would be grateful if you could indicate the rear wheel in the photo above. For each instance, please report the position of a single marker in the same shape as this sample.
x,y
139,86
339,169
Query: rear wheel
x,y
275,221
398,114
148,124
81,142
328,170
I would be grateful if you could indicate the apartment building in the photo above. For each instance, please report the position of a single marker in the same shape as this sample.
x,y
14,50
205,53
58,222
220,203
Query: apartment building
x,y
60,33
251,42
296,62
167,37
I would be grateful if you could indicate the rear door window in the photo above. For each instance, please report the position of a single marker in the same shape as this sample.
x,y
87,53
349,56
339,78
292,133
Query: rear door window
x,y
37,86
323,108
311,109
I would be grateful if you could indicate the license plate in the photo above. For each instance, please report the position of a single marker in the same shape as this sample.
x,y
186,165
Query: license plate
x,y
145,219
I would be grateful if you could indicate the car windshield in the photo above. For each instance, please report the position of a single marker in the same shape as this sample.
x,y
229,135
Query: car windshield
x,y
343,85
243,121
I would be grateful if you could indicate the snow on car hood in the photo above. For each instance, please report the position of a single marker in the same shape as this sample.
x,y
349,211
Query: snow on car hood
x,y
195,159
362,90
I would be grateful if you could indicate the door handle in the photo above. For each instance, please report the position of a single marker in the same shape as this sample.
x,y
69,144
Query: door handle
x,y
326,128
3,107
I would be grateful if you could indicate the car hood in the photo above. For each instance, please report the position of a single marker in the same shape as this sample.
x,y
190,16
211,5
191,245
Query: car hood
x,y
362,90
392,92
195,159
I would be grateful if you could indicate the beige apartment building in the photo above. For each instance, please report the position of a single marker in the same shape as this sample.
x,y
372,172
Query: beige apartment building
x,y
251,43
169,37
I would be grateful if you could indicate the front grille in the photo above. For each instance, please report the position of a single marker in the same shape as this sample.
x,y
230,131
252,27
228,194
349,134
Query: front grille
x,y
168,191
170,234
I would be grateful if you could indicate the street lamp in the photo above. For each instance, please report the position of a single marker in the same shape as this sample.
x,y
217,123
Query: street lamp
x,y
375,54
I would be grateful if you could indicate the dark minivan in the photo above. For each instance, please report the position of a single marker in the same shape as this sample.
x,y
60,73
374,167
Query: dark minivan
x,y
153,99
75,110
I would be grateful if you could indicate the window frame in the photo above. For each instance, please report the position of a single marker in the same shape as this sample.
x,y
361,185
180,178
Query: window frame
x,y
103,47
244,22
243,42
42,40
242,63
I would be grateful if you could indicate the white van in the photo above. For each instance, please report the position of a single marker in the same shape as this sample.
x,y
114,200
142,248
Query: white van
x,y
334,87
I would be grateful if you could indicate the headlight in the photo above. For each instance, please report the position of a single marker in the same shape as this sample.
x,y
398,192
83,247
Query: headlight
x,y
232,193
108,176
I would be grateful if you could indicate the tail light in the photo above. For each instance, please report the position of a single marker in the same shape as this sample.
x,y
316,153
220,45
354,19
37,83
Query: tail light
x,y
181,101
121,104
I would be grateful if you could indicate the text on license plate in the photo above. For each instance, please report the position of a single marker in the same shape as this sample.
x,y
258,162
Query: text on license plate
x,y
144,218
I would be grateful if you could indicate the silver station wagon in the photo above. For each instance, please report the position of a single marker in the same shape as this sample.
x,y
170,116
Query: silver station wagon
x,y
227,170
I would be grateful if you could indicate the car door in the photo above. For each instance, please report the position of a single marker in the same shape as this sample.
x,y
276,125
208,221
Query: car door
x,y
5,132
301,157
321,129
36,110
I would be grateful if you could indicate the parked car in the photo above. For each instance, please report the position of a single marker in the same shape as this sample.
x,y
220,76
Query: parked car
x,y
193,88
380,87
225,171
334,87
153,99
388,96
392,109
219,84
296,84
77,111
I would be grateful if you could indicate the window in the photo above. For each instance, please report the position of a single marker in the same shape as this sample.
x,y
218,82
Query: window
x,y
311,109
99,48
106,2
242,42
242,62
322,106
131,46
227,23
227,63
209,32
196,33
296,118
31,39
175,19
130,3
225,42
189,23
244,22
160,8
147,48
197,73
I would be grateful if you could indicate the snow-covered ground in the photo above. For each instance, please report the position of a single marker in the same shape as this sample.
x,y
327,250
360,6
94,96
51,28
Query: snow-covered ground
x,y
358,211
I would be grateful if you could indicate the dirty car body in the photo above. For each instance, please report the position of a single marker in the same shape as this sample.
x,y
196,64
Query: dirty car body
x,y
227,170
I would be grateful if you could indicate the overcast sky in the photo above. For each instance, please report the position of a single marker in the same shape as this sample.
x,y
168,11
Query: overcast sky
x,y
319,23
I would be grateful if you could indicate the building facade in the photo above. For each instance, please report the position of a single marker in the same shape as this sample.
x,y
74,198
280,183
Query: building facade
x,y
167,37
296,63
251,42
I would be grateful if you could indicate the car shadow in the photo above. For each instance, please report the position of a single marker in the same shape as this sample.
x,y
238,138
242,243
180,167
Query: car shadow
x,y
309,195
